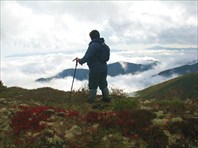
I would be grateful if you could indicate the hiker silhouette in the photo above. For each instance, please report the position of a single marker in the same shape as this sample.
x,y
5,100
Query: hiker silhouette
x,y
96,57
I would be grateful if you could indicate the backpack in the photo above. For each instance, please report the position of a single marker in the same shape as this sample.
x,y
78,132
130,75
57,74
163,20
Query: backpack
x,y
103,53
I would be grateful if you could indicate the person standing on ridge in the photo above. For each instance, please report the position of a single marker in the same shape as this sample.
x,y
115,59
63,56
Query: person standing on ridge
x,y
96,57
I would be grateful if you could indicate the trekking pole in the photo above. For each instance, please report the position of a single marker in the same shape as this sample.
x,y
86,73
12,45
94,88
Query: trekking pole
x,y
73,79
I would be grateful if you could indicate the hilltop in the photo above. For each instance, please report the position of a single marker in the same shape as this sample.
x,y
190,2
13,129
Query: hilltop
x,y
183,87
47,117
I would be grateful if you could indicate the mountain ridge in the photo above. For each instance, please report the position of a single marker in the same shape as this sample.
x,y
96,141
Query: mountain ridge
x,y
170,48
182,87
114,69
189,68
122,68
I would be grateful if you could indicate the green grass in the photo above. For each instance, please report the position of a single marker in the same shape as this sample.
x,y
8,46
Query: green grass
x,y
183,87
123,114
125,104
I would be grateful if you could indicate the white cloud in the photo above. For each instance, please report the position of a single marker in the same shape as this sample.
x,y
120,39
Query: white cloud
x,y
45,26
23,71
150,22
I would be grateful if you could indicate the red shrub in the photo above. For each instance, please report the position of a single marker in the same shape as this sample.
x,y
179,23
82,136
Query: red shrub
x,y
30,117
130,122
72,114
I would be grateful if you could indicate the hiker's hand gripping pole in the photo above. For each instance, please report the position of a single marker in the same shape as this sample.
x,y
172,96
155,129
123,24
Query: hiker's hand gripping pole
x,y
77,60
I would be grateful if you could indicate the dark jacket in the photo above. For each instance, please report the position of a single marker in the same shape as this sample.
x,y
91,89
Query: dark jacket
x,y
91,59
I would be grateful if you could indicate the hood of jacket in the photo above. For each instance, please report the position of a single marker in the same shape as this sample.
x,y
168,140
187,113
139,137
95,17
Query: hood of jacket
x,y
99,40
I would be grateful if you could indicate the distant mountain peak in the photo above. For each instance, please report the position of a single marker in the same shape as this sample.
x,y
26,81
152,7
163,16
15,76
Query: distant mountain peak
x,y
181,70
124,65
171,48
114,69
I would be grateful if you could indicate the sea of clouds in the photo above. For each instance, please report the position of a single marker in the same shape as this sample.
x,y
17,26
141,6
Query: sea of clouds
x,y
22,71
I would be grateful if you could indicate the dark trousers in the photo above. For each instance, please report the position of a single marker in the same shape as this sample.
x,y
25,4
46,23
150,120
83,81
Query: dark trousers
x,y
97,79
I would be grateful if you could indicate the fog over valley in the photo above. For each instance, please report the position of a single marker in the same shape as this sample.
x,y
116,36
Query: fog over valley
x,y
22,71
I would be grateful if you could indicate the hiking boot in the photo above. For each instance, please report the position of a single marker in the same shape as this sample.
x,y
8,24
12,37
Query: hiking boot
x,y
92,95
99,106
105,95
90,101
106,100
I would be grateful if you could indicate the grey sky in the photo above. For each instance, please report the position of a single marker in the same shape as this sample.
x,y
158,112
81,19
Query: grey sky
x,y
48,26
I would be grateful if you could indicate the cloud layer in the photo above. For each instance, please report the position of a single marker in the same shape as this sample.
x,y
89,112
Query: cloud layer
x,y
23,71
45,26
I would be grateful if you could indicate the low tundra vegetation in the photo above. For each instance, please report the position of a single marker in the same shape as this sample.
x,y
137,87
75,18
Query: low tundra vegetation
x,y
125,122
